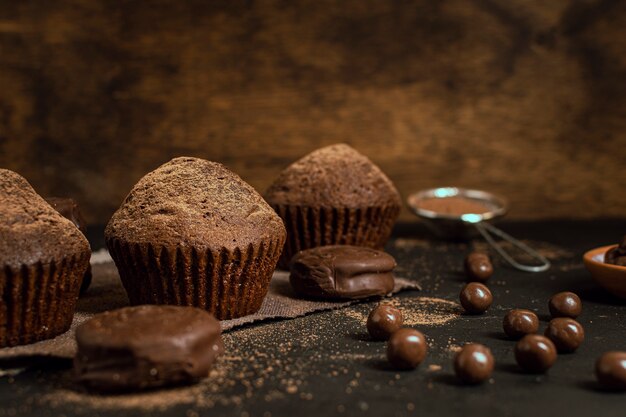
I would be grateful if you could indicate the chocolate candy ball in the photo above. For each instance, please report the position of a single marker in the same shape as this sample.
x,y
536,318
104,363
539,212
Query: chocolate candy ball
x,y
566,334
383,321
518,323
565,304
535,353
478,267
474,363
406,348
475,298
611,371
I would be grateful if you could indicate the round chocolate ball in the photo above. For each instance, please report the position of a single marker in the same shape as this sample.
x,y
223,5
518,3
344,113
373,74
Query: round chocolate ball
x,y
535,353
611,371
566,334
475,298
406,348
383,321
565,304
517,323
478,267
474,363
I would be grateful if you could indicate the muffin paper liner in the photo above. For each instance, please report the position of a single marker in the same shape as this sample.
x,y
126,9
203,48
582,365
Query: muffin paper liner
x,y
37,301
309,227
228,284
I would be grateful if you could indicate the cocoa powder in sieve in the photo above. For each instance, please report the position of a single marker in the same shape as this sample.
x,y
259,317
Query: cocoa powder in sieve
x,y
455,206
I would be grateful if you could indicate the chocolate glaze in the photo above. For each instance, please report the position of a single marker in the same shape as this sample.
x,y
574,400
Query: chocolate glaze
x,y
406,348
475,298
535,353
383,321
474,363
69,209
342,271
146,346
478,267
517,323
566,334
565,304
611,371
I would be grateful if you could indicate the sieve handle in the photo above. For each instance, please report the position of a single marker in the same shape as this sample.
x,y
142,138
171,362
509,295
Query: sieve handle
x,y
488,230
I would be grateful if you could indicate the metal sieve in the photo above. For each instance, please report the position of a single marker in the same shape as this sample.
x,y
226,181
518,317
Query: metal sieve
x,y
465,226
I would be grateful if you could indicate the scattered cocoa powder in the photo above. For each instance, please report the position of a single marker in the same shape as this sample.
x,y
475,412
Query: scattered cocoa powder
x,y
248,366
419,311
239,377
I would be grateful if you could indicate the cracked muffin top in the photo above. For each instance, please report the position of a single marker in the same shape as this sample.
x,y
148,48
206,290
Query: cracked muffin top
x,y
193,202
31,230
335,176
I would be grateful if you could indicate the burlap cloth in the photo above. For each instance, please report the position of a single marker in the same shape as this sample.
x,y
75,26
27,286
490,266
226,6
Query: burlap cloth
x,y
106,293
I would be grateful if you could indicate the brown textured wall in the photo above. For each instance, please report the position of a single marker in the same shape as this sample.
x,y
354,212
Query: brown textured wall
x,y
525,98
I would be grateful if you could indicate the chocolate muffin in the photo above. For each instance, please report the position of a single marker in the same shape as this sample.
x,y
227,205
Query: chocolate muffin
x,y
43,258
193,233
334,196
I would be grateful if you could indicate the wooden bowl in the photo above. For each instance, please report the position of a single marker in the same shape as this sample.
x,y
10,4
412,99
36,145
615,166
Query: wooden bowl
x,y
610,277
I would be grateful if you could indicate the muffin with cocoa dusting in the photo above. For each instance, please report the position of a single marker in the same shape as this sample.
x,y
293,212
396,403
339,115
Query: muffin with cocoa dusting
x,y
43,258
193,233
334,196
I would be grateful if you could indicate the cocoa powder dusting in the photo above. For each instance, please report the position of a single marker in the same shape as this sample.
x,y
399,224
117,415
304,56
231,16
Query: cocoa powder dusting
x,y
419,311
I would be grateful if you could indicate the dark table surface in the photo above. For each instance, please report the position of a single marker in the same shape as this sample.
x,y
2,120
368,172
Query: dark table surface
x,y
324,363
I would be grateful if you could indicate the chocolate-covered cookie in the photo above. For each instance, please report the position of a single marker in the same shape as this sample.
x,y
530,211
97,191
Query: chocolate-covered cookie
x,y
342,271
148,346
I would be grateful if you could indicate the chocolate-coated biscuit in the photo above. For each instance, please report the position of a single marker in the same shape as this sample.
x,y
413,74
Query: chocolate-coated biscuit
x,y
342,271
148,346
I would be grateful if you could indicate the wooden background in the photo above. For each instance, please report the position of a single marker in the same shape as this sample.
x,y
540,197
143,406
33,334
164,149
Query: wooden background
x,y
524,98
